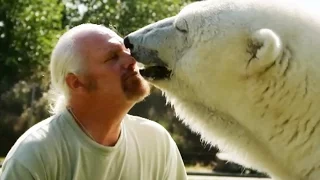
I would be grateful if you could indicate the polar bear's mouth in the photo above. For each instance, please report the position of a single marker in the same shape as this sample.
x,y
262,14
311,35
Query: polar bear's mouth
x,y
155,72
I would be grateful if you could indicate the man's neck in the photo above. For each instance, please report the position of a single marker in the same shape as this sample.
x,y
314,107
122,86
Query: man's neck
x,y
103,125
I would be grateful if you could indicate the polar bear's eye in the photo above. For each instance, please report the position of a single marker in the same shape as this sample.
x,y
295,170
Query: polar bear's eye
x,y
181,25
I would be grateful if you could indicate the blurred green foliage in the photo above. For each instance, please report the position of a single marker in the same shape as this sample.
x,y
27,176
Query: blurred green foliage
x,y
28,31
124,15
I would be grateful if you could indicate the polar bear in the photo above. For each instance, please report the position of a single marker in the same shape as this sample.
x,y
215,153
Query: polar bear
x,y
245,75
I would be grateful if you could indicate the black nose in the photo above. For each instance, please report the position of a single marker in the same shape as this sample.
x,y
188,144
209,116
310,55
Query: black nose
x,y
127,43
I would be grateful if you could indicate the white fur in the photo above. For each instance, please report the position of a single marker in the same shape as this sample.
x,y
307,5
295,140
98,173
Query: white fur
x,y
246,77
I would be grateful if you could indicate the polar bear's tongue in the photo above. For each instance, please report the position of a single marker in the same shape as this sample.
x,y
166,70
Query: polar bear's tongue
x,y
155,72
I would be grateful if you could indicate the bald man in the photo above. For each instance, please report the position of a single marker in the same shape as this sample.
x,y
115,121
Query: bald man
x,y
90,134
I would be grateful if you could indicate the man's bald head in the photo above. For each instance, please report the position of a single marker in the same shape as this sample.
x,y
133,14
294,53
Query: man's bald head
x,y
89,33
68,56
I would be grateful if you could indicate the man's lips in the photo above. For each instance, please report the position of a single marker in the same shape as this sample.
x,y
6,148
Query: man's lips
x,y
129,75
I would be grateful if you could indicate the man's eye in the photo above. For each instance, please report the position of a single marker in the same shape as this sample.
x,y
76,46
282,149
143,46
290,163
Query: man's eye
x,y
112,57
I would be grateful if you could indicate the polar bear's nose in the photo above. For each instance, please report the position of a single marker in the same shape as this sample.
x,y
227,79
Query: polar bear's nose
x,y
127,43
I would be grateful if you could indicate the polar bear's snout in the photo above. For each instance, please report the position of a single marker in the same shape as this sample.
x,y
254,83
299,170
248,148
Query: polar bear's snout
x,y
142,54
154,67
127,43
146,48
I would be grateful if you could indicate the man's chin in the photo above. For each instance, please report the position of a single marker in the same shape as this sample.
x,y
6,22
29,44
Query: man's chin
x,y
136,89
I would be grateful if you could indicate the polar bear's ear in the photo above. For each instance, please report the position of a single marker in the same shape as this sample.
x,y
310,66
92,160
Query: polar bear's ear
x,y
265,46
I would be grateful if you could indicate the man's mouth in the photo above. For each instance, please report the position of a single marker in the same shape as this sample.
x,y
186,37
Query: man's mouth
x,y
155,72
129,75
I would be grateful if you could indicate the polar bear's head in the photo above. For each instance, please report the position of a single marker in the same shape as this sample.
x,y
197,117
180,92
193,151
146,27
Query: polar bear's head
x,y
223,44
242,72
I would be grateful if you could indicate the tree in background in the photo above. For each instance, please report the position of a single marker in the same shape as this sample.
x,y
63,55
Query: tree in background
x,y
28,32
28,29
124,15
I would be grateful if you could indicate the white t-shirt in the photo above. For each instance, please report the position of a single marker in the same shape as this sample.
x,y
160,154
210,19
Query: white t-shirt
x,y
57,149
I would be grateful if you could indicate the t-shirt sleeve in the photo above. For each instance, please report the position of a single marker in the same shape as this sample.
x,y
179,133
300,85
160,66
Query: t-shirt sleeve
x,y
13,169
175,168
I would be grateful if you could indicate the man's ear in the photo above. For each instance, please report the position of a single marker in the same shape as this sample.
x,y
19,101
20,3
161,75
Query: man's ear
x,y
266,47
73,82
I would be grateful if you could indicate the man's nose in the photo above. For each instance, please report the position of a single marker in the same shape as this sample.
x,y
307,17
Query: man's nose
x,y
129,61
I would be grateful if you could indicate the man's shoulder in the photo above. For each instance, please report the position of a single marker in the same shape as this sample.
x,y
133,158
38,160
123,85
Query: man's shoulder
x,y
37,132
31,149
149,134
147,125
33,140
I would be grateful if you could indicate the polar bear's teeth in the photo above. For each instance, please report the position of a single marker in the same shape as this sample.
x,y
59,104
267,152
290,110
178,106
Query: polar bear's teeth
x,y
155,73
140,65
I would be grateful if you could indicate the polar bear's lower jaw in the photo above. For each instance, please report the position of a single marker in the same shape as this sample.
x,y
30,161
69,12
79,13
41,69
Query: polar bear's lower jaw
x,y
156,73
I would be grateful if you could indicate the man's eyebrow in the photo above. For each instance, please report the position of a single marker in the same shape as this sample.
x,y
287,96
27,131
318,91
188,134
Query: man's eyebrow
x,y
113,47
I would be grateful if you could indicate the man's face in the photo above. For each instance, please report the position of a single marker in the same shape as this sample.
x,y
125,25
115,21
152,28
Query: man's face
x,y
110,72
